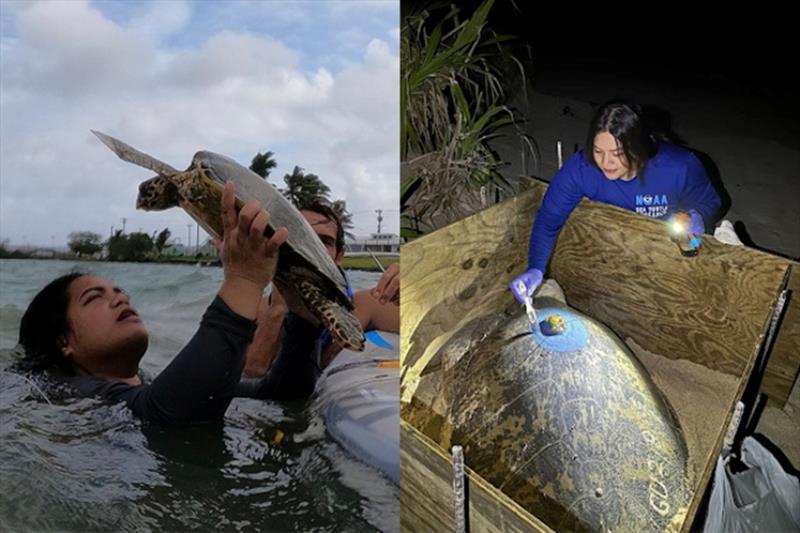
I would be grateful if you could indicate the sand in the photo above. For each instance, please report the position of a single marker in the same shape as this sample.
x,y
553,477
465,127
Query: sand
x,y
700,397
782,426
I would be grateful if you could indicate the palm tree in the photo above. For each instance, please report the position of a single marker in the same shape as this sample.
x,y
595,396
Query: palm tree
x,y
340,208
304,189
263,164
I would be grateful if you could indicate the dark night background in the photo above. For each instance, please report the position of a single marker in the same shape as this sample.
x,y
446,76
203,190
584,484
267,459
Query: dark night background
x,y
727,88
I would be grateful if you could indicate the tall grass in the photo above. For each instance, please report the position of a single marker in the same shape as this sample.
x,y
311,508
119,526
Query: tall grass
x,y
451,104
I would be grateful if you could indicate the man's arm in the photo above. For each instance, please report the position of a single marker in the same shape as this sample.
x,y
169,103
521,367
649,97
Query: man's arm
x,y
376,315
294,372
379,308
267,339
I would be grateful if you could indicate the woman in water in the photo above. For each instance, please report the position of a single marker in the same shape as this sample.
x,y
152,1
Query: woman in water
x,y
83,328
623,165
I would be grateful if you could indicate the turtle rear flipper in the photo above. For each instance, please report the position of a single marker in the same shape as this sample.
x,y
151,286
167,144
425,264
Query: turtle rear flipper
x,y
345,328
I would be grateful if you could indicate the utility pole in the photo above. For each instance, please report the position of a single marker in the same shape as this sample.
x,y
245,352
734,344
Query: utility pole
x,y
188,237
380,218
124,220
197,239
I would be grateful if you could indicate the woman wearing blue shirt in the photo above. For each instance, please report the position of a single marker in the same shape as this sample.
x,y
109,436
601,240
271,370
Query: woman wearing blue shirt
x,y
626,166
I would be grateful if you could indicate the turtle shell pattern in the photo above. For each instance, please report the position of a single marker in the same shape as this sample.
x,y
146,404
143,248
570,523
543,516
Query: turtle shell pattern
x,y
569,426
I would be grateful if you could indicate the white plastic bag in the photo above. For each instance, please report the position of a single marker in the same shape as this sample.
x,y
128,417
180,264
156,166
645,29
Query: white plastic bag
x,y
725,233
761,498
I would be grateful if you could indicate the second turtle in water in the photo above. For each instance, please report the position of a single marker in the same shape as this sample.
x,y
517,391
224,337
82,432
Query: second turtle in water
x,y
569,425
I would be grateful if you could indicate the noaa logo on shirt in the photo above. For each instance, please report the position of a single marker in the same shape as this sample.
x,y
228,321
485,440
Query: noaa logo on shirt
x,y
652,205
649,199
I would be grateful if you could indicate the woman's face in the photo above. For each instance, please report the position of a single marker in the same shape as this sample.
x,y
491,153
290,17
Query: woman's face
x,y
610,157
105,335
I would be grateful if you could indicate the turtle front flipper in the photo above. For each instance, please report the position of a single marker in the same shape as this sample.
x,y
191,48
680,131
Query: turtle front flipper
x,y
345,328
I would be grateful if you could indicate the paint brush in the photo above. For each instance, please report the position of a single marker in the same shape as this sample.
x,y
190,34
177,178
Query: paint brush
x,y
529,310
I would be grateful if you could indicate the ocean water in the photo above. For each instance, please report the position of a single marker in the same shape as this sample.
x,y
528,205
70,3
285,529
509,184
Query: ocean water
x,y
85,465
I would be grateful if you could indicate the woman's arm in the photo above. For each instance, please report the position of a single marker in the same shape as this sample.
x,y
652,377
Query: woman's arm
x,y
699,193
563,194
198,385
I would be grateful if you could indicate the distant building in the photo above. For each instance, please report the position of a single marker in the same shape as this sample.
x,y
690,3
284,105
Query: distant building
x,y
42,253
386,243
176,248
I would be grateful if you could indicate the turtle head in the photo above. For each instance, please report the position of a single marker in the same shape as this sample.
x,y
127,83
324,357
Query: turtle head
x,y
157,194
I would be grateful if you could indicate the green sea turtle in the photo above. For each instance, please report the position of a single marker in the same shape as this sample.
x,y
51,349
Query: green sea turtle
x,y
562,419
304,267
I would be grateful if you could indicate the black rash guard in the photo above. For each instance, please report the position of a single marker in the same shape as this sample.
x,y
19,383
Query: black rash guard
x,y
198,385
294,374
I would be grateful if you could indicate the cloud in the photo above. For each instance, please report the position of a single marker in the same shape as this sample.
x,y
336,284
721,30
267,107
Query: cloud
x,y
162,20
70,49
69,68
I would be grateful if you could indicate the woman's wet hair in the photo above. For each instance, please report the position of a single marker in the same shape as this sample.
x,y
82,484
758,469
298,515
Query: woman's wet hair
x,y
44,327
625,123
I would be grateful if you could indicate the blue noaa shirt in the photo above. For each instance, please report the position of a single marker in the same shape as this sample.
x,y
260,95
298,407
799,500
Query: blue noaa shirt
x,y
674,179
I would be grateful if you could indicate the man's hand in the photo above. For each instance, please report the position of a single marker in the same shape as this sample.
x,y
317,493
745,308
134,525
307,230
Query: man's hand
x,y
248,258
388,287
525,284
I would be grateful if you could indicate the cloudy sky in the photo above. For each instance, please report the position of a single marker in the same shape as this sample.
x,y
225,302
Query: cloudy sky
x,y
315,82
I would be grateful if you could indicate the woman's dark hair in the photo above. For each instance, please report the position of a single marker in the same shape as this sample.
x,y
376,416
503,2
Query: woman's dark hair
x,y
43,327
624,122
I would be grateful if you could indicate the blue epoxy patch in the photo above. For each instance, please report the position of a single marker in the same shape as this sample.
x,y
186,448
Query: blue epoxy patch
x,y
573,338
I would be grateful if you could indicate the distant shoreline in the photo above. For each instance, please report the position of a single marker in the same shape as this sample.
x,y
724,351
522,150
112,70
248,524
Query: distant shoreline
x,y
348,263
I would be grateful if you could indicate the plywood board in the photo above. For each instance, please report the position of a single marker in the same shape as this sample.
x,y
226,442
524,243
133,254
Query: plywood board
x,y
784,362
426,496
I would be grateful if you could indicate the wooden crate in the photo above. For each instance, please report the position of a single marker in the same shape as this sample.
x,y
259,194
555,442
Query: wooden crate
x,y
712,310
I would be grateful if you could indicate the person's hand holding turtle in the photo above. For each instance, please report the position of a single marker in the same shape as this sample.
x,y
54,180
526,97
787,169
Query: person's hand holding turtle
x,y
248,258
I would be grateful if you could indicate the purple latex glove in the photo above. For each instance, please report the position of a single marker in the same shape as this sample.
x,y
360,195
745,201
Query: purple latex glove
x,y
530,279
696,226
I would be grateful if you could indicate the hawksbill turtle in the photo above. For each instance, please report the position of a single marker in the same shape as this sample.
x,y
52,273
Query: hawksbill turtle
x,y
304,266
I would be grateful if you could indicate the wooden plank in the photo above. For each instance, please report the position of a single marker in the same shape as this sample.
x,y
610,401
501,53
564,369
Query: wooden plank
x,y
720,429
426,496
622,269
456,272
784,362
